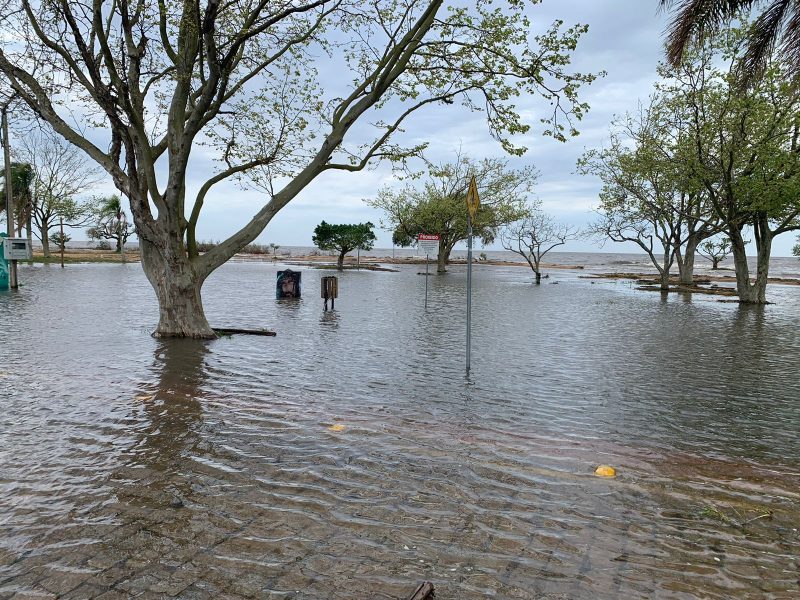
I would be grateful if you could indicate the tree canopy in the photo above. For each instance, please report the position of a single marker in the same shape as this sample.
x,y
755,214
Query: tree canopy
x,y
437,205
60,175
707,155
648,197
344,238
745,149
22,178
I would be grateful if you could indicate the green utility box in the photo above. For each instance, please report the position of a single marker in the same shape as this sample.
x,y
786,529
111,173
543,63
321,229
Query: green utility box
x,y
4,276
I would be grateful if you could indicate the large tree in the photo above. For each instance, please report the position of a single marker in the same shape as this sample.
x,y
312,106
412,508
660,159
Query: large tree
x,y
437,205
648,196
162,76
343,238
745,151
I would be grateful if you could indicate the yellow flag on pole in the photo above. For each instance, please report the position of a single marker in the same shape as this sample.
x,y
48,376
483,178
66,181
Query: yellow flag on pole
x,y
472,198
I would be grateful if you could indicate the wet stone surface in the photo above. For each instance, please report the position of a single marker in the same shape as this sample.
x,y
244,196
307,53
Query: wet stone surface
x,y
131,467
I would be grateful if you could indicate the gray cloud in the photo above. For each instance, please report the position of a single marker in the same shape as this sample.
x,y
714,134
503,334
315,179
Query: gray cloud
x,y
624,40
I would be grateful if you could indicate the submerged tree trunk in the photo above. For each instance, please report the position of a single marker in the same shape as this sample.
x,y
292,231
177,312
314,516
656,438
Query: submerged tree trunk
x,y
340,262
752,292
664,279
45,233
177,286
664,268
443,259
715,260
686,262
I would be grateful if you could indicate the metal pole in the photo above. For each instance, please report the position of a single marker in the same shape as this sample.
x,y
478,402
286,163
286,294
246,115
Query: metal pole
x,y
469,290
12,274
427,258
62,244
121,232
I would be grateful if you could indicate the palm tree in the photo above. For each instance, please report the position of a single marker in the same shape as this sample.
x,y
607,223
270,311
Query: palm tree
x,y
21,180
22,177
112,207
112,222
775,27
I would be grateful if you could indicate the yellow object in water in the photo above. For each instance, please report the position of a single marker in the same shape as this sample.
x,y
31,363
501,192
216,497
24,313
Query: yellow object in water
x,y
336,427
605,471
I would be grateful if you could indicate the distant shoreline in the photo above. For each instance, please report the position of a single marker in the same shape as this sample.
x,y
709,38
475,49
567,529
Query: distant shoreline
x,y
88,255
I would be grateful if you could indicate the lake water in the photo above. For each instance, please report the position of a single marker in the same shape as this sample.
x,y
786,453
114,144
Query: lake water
x,y
190,469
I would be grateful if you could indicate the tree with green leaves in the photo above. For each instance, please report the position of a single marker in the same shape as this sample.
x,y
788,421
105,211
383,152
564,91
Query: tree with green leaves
x,y
22,178
796,248
343,238
648,198
435,203
745,150
111,222
60,240
159,78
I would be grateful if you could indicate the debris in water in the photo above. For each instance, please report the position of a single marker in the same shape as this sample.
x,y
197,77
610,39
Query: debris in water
x,y
424,591
605,471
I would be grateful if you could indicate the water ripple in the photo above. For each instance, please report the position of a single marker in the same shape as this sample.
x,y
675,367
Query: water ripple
x,y
209,469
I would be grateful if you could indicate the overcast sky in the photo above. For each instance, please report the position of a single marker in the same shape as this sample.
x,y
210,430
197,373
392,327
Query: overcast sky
x,y
625,39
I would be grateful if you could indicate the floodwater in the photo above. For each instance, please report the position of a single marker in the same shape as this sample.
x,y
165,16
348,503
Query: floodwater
x,y
136,467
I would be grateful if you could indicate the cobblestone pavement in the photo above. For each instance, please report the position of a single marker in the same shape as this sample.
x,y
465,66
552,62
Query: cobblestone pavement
x,y
295,467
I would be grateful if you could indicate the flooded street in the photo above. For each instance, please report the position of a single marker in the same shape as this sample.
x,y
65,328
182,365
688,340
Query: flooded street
x,y
349,457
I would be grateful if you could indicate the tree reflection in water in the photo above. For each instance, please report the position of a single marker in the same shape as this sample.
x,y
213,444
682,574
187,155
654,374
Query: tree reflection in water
x,y
170,414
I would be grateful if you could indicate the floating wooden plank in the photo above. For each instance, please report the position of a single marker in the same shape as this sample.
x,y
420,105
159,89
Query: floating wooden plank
x,y
233,331
423,592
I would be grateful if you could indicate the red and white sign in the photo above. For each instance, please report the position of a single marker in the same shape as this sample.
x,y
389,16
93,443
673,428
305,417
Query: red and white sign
x,y
428,244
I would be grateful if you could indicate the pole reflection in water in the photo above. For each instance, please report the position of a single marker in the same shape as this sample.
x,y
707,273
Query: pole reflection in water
x,y
329,320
